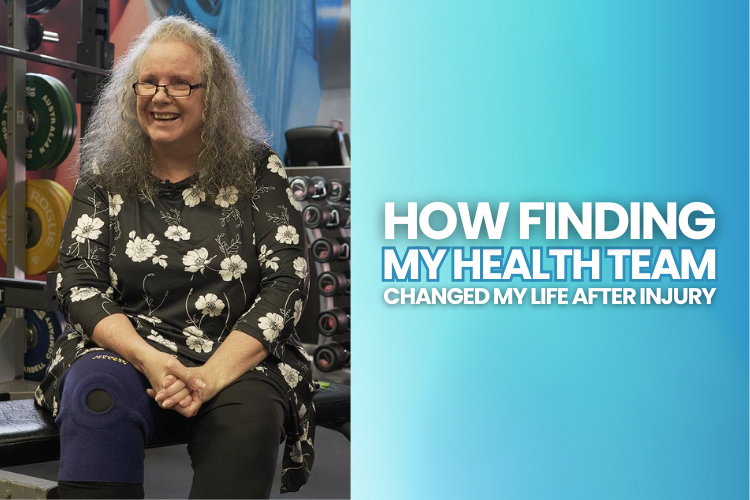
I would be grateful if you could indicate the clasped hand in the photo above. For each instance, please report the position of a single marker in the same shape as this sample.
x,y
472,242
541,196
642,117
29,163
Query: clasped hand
x,y
180,388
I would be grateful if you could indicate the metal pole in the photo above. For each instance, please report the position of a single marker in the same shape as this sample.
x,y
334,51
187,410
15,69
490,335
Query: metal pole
x,y
54,61
13,338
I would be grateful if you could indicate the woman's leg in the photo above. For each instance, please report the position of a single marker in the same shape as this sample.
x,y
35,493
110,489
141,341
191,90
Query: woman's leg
x,y
105,420
235,440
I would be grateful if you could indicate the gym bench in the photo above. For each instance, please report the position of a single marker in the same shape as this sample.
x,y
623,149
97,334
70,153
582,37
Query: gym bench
x,y
28,434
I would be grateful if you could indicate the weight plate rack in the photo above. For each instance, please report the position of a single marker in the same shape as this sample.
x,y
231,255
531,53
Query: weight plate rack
x,y
39,126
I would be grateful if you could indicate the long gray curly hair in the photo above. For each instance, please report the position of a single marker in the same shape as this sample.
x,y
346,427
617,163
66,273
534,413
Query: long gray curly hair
x,y
117,152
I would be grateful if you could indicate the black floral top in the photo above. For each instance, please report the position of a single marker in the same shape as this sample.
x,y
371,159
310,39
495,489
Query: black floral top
x,y
187,269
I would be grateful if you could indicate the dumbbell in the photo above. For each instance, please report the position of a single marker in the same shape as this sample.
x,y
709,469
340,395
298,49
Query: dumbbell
x,y
334,321
328,216
36,35
339,190
308,188
332,283
329,249
332,356
346,217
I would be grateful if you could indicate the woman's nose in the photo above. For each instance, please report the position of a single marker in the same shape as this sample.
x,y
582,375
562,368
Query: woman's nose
x,y
161,95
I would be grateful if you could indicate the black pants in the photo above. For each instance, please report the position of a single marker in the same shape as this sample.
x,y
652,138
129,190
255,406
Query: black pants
x,y
233,444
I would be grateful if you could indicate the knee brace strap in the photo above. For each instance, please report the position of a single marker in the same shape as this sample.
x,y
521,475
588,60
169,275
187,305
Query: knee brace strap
x,y
105,420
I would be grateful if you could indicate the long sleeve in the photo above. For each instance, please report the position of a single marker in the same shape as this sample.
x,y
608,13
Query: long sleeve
x,y
281,254
85,287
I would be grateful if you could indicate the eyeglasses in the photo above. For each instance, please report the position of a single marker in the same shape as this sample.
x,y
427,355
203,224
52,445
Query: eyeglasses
x,y
172,89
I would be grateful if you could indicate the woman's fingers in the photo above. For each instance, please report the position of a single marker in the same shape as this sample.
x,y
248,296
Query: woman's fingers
x,y
176,386
176,398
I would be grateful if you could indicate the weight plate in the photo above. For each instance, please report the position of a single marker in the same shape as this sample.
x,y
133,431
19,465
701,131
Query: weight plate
x,y
70,122
63,203
46,119
41,332
63,193
66,120
47,218
34,34
36,7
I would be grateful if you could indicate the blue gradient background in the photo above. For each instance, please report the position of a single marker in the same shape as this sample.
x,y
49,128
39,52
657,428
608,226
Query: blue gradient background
x,y
550,101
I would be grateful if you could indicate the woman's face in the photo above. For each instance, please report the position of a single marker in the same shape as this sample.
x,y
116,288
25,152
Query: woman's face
x,y
172,123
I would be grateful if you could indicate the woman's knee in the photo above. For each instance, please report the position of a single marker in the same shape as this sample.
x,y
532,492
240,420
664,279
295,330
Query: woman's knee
x,y
105,420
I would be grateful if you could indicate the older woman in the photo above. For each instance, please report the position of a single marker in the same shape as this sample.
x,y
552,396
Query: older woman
x,y
182,275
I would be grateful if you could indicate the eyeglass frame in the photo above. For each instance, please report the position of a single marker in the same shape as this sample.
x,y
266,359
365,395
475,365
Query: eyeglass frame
x,y
166,90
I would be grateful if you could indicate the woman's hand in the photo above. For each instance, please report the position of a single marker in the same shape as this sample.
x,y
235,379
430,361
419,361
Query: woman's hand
x,y
186,389
161,369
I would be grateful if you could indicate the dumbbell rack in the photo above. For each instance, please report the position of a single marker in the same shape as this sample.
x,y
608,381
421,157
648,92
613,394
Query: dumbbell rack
x,y
17,293
325,303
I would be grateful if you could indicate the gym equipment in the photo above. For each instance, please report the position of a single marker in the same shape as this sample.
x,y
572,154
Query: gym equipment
x,y
346,217
313,146
328,249
308,188
36,7
332,283
328,216
330,357
334,321
46,209
338,191
36,35
42,330
51,122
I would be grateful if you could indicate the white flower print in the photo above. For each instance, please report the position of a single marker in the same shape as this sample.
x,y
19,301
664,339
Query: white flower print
x,y
56,360
196,341
196,260
141,249
296,454
209,304
87,228
232,267
264,258
271,325
161,340
193,330
288,235
149,319
264,253
77,294
112,277
161,260
199,344
115,203
193,196
291,375
177,233
297,310
39,395
300,267
227,196
292,200
275,166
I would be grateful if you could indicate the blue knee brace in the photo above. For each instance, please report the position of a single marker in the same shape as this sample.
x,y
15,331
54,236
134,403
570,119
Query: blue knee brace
x,y
105,420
